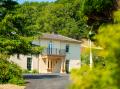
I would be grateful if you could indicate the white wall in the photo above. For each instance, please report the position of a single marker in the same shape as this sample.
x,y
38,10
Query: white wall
x,y
74,48
74,64
42,65
73,54
35,63
22,61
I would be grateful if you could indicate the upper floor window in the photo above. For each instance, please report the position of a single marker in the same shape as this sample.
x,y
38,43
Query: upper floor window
x,y
67,48
50,47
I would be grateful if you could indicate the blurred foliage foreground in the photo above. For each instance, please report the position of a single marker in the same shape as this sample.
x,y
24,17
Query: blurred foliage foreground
x,y
102,77
10,72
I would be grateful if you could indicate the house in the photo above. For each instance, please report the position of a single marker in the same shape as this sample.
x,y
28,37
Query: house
x,y
60,55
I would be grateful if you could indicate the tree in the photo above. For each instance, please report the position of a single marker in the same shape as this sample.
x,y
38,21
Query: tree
x,y
6,6
110,43
59,18
97,13
107,76
17,30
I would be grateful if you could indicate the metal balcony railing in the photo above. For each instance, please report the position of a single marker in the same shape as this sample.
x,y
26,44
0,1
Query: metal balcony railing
x,y
54,51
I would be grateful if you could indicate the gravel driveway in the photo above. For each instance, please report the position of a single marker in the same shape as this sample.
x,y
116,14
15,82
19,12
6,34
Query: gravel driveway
x,y
47,81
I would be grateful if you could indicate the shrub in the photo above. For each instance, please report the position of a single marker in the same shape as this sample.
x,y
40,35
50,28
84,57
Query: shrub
x,y
30,71
18,81
97,59
106,77
10,72
96,78
35,72
25,71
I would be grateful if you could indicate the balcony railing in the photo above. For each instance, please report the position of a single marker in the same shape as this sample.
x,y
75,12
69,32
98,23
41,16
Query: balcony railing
x,y
54,51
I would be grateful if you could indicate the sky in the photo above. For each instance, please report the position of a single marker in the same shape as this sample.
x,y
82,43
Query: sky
x,y
21,1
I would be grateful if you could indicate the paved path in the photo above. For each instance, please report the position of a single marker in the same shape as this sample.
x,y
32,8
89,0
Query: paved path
x,y
47,81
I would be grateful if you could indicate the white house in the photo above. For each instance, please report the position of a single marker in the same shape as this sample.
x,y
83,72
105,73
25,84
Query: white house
x,y
60,54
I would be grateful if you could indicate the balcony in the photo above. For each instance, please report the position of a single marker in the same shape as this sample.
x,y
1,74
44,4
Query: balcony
x,y
54,51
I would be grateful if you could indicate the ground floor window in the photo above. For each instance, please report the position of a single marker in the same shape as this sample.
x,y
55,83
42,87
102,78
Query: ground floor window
x,y
29,63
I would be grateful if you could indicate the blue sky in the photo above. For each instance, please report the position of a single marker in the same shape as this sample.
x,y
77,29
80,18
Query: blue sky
x,y
21,1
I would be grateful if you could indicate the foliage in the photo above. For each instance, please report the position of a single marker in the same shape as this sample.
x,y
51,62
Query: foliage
x,y
10,72
97,11
6,6
98,60
106,77
30,72
18,29
34,71
97,78
66,17
110,43
63,19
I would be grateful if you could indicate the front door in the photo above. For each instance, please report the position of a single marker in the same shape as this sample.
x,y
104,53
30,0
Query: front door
x,y
54,65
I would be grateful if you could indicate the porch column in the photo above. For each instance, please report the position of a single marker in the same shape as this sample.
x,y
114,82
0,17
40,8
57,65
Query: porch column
x,y
63,66
50,66
47,64
39,58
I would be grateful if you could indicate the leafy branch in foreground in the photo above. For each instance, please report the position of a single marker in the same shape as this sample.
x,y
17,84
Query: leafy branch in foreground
x,y
103,77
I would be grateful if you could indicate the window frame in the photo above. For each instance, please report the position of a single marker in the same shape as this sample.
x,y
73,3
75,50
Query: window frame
x,y
29,63
67,48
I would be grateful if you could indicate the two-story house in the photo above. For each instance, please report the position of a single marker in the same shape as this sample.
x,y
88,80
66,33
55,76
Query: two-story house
x,y
60,54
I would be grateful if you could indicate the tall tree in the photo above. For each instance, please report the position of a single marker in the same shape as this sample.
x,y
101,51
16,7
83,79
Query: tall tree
x,y
18,28
96,11
62,18
6,6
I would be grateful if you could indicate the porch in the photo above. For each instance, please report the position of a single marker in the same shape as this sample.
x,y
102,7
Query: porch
x,y
52,61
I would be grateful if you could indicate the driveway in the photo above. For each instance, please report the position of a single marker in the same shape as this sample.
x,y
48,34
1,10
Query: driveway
x,y
47,81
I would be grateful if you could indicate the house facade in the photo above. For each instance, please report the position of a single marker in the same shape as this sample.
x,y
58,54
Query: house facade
x,y
60,54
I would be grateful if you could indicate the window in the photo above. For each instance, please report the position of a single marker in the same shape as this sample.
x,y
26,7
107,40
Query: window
x,y
50,47
67,48
18,56
29,63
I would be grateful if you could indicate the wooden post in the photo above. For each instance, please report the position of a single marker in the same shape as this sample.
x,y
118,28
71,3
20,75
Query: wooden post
x,y
63,65
47,64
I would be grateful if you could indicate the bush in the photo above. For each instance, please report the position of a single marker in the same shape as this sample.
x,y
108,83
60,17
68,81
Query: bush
x,y
35,72
30,71
25,71
97,58
107,77
18,81
10,72
96,78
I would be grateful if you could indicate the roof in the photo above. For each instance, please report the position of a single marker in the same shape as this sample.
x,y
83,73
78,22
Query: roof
x,y
58,37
